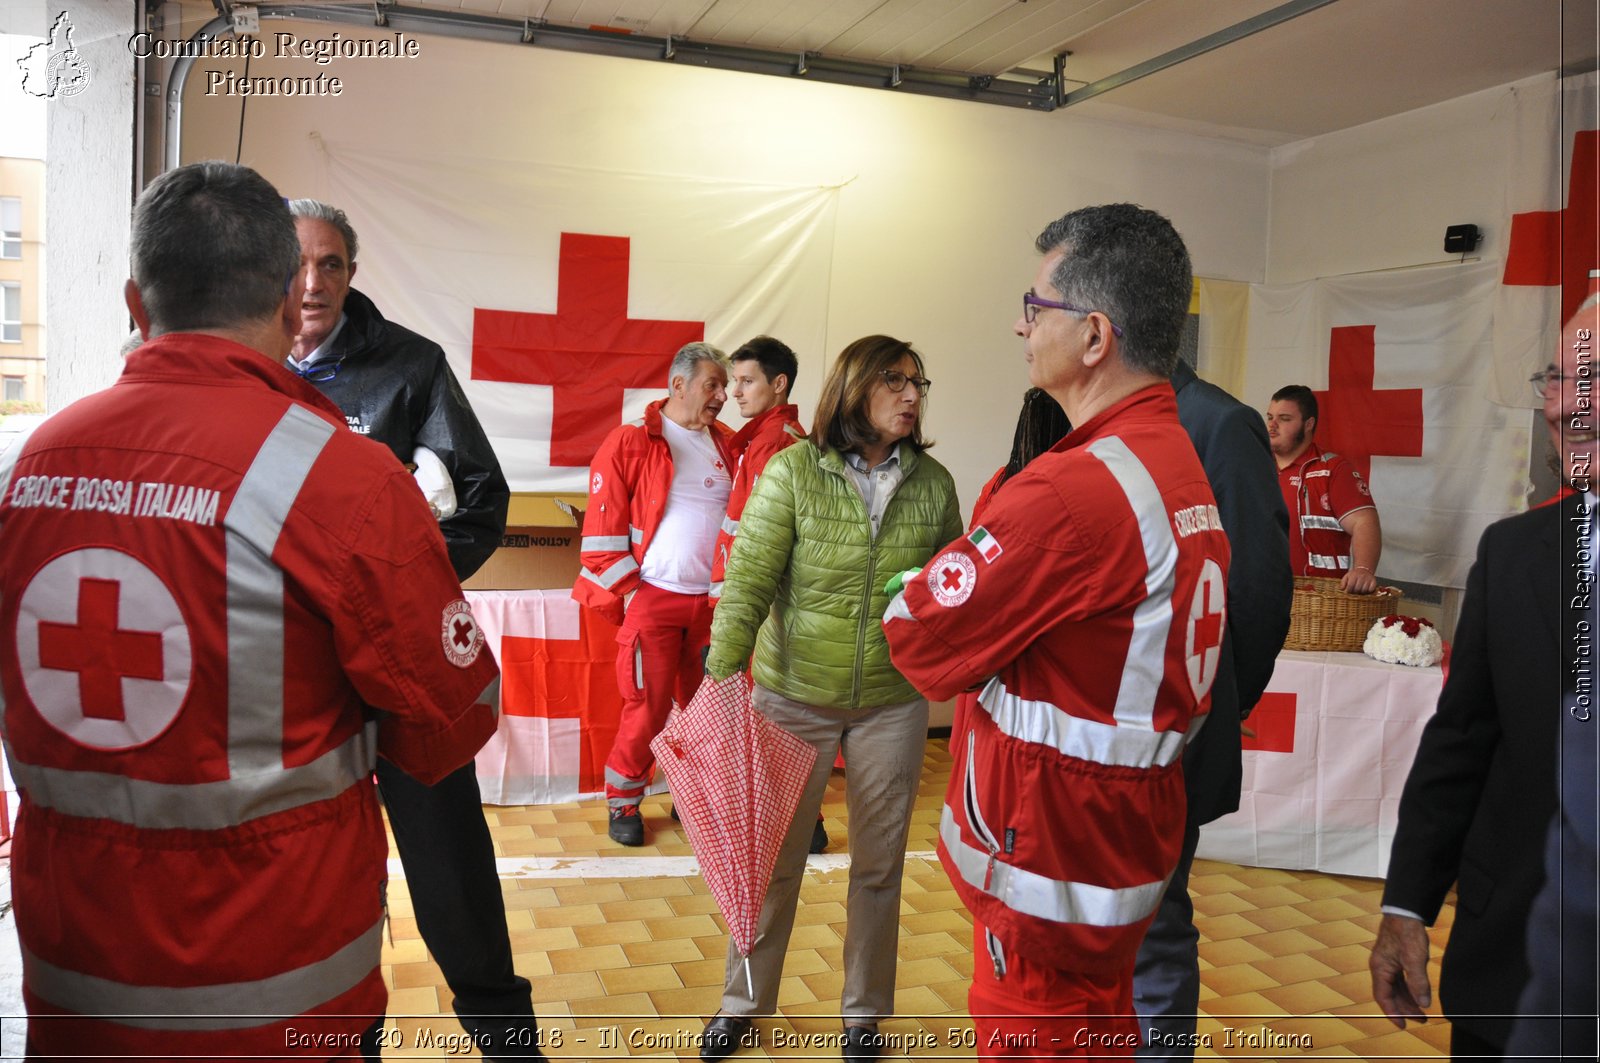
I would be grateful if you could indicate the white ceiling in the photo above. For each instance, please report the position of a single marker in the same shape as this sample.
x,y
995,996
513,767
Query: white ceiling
x,y
1349,62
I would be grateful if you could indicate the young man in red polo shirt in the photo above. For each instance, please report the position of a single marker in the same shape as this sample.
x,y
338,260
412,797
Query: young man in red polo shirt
x,y
1333,525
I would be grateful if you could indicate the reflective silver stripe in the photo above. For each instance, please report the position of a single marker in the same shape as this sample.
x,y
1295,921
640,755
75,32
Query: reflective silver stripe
x,y
1152,618
730,526
231,1006
613,575
255,589
715,591
1308,520
1033,894
1341,562
622,782
638,665
198,806
1046,724
635,534
604,542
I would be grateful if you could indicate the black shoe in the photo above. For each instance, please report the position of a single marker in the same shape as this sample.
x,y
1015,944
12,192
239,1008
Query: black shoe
x,y
819,838
724,1036
861,1043
626,826
672,810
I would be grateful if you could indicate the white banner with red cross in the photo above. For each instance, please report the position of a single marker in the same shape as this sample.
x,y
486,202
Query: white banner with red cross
x,y
1400,363
1551,224
560,294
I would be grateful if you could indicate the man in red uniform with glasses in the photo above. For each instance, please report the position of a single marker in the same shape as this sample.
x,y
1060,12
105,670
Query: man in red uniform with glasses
x,y
1095,637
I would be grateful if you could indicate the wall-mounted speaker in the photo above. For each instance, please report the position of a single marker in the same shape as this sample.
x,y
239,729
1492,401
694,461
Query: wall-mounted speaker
x,y
1459,239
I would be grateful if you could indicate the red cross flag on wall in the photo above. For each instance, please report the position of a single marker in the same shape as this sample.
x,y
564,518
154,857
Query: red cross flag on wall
x,y
560,294
1551,225
1400,363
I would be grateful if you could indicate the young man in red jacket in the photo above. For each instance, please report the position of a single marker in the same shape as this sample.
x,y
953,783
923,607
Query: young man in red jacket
x,y
763,379
658,491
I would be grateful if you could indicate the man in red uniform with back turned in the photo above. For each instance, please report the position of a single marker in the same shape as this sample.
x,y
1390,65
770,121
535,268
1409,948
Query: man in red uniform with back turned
x,y
1333,525
209,587
1095,637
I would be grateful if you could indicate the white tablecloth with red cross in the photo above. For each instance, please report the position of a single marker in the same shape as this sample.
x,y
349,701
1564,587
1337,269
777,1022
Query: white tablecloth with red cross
x,y
1334,738
559,704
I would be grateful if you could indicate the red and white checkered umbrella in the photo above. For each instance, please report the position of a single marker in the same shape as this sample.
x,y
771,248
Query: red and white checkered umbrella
x,y
736,781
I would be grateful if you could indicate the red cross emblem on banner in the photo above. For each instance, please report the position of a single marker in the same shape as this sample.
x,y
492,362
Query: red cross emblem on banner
x,y
1550,247
588,352
1355,419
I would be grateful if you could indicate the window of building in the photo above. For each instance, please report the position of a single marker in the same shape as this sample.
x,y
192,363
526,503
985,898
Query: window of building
x,y
10,313
12,388
10,227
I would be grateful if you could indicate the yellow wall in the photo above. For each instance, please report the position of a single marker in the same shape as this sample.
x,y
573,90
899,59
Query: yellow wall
x,y
24,179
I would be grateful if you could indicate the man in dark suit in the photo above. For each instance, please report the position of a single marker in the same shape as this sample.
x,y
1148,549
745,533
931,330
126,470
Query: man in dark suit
x,y
1233,447
1482,790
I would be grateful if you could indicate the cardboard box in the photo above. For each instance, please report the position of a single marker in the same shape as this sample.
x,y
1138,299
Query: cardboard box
x,y
534,556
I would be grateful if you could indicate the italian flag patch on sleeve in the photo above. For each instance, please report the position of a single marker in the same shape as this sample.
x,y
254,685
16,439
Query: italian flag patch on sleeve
x,y
988,546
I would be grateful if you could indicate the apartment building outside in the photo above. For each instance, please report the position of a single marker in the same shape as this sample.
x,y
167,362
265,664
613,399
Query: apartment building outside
x,y
22,340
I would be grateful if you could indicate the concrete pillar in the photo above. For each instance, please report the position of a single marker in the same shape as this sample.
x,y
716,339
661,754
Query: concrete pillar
x,y
88,198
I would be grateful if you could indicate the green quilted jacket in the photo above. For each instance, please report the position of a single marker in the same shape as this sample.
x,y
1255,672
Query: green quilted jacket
x,y
807,573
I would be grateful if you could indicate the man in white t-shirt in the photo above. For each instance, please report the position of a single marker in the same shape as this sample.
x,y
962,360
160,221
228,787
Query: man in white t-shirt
x,y
658,490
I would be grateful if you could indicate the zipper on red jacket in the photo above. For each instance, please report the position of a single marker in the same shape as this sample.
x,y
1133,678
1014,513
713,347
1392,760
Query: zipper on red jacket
x,y
980,829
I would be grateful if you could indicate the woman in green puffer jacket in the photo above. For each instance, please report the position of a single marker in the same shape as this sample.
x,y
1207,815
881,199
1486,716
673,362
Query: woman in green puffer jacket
x,y
830,521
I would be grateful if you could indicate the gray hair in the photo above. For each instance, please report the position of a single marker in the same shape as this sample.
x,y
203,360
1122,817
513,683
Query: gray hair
x,y
686,363
1130,264
320,211
213,247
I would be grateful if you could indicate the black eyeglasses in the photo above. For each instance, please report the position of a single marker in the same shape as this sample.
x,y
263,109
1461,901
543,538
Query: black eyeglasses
x,y
1032,304
319,372
896,381
1546,380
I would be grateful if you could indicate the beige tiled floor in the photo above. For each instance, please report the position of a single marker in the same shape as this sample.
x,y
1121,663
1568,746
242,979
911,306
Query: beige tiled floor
x,y
631,966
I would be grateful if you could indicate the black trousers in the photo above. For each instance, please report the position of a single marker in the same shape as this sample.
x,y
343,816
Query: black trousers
x,y
455,891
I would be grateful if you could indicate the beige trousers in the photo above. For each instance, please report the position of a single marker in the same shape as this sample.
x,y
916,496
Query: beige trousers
x,y
883,750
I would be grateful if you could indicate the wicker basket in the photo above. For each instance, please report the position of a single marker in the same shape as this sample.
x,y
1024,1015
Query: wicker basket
x,y
1323,617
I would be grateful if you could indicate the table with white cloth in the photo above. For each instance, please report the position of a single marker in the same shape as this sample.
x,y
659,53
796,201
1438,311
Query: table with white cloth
x,y
1334,739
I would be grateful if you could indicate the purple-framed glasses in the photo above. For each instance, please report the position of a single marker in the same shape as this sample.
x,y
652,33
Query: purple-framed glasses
x,y
1031,304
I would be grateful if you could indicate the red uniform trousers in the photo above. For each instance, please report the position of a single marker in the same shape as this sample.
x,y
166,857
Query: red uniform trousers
x,y
659,657
1036,1012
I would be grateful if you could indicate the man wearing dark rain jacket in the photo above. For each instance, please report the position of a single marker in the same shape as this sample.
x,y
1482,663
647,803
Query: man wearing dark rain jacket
x,y
395,387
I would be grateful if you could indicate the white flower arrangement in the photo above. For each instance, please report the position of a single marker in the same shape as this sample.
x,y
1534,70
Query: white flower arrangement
x,y
1409,640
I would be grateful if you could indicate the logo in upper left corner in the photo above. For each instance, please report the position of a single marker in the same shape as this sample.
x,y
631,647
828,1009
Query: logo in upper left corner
x,y
54,67
463,638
